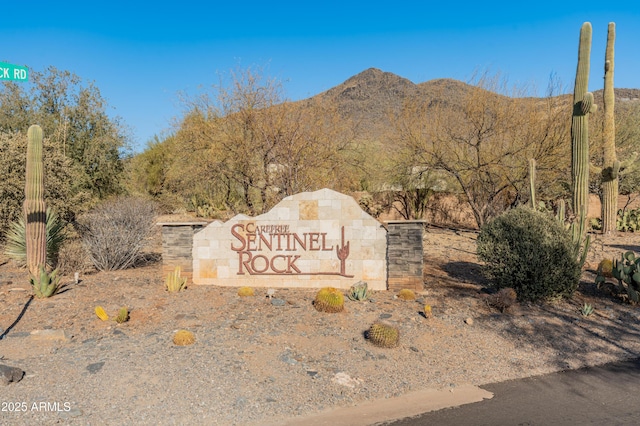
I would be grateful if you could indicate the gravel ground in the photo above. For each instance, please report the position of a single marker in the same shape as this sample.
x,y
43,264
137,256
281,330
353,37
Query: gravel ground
x,y
259,360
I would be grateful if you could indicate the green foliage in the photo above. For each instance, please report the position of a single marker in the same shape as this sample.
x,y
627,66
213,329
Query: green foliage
x,y
627,272
243,148
329,299
123,315
586,310
16,247
83,149
61,191
628,220
45,284
530,252
383,335
359,291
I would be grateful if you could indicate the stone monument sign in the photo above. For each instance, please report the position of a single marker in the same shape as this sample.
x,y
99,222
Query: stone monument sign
x,y
312,239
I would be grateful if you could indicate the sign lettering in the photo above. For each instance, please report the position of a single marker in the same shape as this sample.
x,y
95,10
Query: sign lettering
x,y
259,249
13,72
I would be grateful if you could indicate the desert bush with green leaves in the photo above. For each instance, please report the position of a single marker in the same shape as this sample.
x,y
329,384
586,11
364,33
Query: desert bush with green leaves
x,y
531,252
16,247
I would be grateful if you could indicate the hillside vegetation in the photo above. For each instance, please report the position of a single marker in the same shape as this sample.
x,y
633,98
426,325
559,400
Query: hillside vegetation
x,y
243,146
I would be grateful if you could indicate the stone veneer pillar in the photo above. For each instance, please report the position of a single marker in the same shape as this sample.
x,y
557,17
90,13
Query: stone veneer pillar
x,y
405,253
177,246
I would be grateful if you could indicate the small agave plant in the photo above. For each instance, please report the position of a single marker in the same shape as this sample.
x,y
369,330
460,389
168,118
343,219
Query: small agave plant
x,y
586,310
45,284
358,291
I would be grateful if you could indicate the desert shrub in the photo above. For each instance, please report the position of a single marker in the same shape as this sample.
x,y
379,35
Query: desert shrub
x,y
114,233
16,238
63,189
503,299
73,257
530,252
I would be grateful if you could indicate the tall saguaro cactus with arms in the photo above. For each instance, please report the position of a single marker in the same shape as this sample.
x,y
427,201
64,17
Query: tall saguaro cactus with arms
x,y
583,105
610,165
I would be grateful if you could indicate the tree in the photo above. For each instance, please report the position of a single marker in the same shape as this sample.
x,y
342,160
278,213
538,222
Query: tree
x,y
484,142
243,146
73,116
62,175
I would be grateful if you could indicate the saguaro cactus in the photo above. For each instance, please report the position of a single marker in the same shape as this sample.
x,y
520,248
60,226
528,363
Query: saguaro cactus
x,y
34,205
610,165
582,106
532,183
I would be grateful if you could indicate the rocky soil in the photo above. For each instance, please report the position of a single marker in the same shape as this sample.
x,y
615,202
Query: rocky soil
x,y
262,359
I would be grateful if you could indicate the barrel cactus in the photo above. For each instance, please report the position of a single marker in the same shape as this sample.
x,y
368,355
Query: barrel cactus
x,y
183,338
406,294
605,268
384,335
329,299
246,292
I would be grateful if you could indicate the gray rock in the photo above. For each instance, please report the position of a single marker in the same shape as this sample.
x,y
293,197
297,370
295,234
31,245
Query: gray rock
x,y
119,333
95,367
278,302
385,316
49,334
10,374
286,358
73,412
241,402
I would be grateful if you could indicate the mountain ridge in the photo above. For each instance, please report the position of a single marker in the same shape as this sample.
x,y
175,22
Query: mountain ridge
x,y
369,97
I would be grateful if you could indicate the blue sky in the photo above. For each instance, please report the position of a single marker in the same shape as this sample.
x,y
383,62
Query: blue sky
x,y
142,54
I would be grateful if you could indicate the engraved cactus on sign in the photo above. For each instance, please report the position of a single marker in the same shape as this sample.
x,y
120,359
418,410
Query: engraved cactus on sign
x,y
343,253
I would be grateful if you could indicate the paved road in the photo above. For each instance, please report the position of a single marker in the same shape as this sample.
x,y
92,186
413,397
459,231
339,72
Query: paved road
x,y
607,395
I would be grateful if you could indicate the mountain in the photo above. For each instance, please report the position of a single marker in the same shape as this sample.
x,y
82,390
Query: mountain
x,y
369,97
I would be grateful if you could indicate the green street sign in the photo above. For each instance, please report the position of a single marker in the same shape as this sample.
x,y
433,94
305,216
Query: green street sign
x,y
13,72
